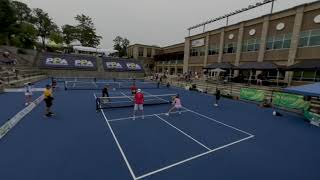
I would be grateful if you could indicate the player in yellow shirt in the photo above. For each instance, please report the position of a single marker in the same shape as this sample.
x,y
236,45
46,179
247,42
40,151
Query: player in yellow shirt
x,y
48,98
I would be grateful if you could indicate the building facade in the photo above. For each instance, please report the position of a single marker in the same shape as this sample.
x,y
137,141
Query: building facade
x,y
283,38
144,53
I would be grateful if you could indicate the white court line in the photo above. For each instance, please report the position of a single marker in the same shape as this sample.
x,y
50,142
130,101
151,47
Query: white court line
x,y
190,137
118,144
150,115
229,126
191,158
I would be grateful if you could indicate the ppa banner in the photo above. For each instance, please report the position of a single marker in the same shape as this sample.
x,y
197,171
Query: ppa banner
x,y
86,64
252,94
67,61
56,62
113,65
291,101
133,66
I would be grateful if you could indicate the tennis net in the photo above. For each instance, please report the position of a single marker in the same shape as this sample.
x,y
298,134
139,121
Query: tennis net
x,y
128,101
64,79
91,85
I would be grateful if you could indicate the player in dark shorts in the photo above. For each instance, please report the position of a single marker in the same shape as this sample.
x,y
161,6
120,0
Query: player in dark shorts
x,y
48,98
218,96
133,89
105,92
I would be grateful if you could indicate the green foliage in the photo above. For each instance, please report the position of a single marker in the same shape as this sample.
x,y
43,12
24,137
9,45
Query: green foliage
x,y
69,33
23,12
22,51
7,16
56,37
121,45
21,26
44,24
26,34
86,31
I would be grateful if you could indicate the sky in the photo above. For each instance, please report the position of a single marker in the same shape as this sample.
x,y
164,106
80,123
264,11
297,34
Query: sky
x,y
152,22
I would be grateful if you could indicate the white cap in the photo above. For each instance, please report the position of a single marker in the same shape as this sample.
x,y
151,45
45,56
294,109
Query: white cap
x,y
139,90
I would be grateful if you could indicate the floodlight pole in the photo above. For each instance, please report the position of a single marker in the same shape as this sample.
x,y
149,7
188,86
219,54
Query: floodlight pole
x,y
204,28
189,33
227,23
272,5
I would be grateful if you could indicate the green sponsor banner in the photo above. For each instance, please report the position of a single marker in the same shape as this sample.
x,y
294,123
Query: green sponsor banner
x,y
252,94
291,101
312,116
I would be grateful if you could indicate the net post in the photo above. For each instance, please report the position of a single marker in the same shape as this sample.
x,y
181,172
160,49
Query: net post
x,y
65,85
97,104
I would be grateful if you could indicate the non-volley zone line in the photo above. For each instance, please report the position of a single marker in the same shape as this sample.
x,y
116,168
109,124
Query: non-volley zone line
x,y
149,115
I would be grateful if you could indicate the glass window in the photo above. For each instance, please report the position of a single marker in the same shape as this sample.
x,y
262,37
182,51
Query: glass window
x,y
269,44
278,42
201,51
244,46
213,49
230,48
304,38
140,51
257,45
287,40
314,38
149,52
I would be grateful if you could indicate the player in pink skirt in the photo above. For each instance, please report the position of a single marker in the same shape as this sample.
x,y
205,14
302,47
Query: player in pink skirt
x,y
176,105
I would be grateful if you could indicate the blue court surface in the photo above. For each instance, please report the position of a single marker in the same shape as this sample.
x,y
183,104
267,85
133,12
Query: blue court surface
x,y
235,141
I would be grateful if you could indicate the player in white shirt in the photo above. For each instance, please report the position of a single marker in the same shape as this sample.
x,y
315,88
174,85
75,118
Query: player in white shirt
x,y
28,93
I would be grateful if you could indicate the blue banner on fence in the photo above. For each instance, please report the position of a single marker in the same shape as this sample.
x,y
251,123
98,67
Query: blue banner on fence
x,y
113,64
62,61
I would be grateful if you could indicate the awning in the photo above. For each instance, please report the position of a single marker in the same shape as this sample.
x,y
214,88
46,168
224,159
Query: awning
x,y
258,66
305,65
224,66
306,90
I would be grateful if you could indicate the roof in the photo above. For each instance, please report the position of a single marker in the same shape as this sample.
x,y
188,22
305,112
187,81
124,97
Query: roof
x,y
220,66
306,65
306,90
258,66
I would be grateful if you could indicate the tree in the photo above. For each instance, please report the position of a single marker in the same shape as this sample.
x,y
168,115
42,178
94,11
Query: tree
x,y
69,33
23,12
44,25
7,18
56,37
121,45
86,31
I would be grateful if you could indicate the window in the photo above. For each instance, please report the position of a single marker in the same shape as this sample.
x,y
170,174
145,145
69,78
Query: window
x,y
314,38
201,51
230,48
269,43
193,52
149,52
213,49
279,42
304,38
197,51
179,61
140,51
250,45
287,41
